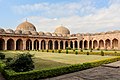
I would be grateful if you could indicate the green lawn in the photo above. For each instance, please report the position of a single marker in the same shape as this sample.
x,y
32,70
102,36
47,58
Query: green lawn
x,y
44,60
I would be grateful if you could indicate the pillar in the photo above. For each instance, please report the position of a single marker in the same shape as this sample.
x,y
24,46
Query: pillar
x,y
5,44
39,45
46,45
14,44
83,45
73,44
64,45
78,44
24,44
88,45
58,44
53,45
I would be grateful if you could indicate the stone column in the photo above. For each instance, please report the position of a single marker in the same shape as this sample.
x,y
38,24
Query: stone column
x,y
39,45
32,44
110,44
69,44
98,44
88,45
53,45
83,45
73,44
5,44
64,45
14,45
92,44
58,44
46,45
104,45
24,44
78,44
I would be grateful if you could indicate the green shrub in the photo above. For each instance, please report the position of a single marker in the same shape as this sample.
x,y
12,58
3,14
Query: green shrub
x,y
90,50
81,50
73,50
102,53
8,59
76,52
52,51
21,63
2,56
42,50
59,51
66,51
40,74
47,50
87,53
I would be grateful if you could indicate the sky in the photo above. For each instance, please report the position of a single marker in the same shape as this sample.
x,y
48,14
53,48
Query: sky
x,y
79,16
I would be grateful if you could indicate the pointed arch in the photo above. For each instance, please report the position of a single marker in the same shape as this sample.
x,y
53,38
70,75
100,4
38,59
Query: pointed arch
x,y
85,44
19,44
36,45
95,44
56,45
61,44
43,44
66,44
101,44
81,43
28,44
71,44
76,44
115,43
50,44
2,44
107,43
10,44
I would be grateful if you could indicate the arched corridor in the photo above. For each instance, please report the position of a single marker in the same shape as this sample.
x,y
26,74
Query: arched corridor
x,y
2,44
66,44
10,44
81,43
28,44
50,44
71,44
56,45
43,44
76,44
101,44
61,44
19,44
107,44
90,44
114,44
85,44
36,45
95,44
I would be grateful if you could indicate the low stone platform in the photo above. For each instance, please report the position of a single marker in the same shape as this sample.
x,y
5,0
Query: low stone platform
x,y
113,65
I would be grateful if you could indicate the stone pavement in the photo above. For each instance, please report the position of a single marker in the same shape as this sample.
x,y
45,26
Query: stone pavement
x,y
106,72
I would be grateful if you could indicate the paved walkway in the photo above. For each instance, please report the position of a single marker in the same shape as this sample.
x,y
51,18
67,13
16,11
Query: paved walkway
x,y
107,72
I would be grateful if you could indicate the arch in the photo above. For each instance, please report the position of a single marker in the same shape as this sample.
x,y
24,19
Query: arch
x,y
61,44
36,45
43,44
50,44
71,44
115,43
56,45
76,44
107,43
90,44
28,44
2,44
85,44
66,44
95,44
10,44
101,44
81,43
19,44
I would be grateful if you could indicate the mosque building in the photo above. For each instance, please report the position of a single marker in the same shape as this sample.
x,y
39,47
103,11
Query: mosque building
x,y
25,37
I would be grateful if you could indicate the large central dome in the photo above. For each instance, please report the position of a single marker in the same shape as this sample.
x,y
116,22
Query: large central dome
x,y
62,30
26,26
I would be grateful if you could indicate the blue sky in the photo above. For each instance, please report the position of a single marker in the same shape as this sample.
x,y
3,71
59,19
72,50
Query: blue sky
x,y
80,16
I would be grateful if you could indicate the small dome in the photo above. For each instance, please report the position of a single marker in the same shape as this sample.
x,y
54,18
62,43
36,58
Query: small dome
x,y
18,32
34,33
48,34
54,34
10,31
109,32
26,26
2,31
102,33
60,35
78,34
26,32
41,33
62,30
116,31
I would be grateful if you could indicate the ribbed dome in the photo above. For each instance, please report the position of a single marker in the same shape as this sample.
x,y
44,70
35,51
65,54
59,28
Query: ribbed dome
x,y
18,32
62,30
26,26
2,31
10,31
34,33
41,33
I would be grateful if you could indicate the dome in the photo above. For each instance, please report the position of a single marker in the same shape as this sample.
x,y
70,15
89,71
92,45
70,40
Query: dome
x,y
2,31
18,32
34,33
54,34
48,34
26,32
62,30
26,26
10,31
41,33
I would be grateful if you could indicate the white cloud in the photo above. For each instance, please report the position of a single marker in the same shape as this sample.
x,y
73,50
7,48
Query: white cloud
x,y
103,19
